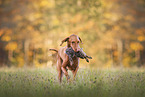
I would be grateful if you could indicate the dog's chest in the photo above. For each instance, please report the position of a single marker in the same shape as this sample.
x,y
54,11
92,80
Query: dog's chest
x,y
75,65
75,60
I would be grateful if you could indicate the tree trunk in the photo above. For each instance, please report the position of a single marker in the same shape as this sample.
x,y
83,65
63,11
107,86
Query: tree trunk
x,y
34,55
120,51
26,50
10,56
79,3
137,56
111,55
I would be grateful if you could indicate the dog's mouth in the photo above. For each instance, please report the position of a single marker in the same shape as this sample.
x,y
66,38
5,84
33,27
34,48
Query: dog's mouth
x,y
76,50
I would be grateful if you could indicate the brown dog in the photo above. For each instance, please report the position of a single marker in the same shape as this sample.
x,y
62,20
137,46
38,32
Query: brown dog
x,y
63,62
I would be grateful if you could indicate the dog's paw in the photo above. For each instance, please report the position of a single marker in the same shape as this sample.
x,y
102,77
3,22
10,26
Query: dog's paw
x,y
68,77
89,57
87,60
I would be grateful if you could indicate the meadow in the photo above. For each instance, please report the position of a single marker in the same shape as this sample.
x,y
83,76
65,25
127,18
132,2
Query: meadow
x,y
89,83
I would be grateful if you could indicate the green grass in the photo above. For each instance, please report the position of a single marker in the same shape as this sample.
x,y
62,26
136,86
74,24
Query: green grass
x,y
88,83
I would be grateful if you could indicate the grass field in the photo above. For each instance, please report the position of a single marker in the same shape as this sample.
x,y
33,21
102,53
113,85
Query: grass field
x,y
88,83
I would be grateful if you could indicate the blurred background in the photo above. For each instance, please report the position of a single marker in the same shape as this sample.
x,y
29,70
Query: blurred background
x,y
112,31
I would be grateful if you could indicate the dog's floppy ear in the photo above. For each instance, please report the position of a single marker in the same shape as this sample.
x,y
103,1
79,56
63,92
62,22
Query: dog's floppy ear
x,y
80,40
64,40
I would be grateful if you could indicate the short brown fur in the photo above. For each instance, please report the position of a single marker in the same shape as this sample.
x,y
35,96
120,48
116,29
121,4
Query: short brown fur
x,y
63,62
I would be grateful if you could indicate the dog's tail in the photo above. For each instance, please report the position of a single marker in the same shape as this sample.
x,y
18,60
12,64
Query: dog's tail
x,y
54,50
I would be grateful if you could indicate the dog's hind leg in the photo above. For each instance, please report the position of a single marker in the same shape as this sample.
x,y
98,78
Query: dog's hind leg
x,y
60,73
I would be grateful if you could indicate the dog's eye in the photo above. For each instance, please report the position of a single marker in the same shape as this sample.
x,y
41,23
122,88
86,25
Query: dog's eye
x,y
73,42
78,42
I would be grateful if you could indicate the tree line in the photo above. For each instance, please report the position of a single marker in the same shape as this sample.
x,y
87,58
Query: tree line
x,y
113,32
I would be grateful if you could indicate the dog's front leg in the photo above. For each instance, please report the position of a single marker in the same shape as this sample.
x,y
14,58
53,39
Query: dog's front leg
x,y
63,67
75,72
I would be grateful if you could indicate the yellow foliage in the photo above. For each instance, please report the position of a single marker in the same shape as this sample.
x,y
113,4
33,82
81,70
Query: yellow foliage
x,y
11,46
78,29
89,25
136,46
109,39
106,3
17,18
37,64
47,3
76,18
129,17
20,61
30,53
55,20
1,32
7,32
141,38
140,31
66,15
116,28
44,3
39,21
30,28
112,16
126,61
37,15
6,38
115,53
108,64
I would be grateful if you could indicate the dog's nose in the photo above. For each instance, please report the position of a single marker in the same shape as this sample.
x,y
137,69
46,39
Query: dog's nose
x,y
76,50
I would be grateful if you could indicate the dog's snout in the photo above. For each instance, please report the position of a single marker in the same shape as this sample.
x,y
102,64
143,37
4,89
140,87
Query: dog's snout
x,y
76,50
